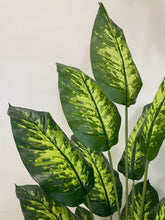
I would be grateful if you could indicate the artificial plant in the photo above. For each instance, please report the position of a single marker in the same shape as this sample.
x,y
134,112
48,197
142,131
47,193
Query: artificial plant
x,y
74,171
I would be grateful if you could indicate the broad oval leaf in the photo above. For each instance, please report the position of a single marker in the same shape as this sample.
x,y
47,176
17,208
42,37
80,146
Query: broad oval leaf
x,y
49,157
158,213
136,158
112,64
152,132
83,213
36,205
151,199
102,195
92,117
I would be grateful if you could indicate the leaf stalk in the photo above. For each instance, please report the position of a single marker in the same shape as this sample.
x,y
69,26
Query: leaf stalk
x,y
144,189
89,206
114,184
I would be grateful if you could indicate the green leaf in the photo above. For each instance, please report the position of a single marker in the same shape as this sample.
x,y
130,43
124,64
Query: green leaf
x,y
112,64
152,132
102,195
136,158
92,117
49,157
151,199
158,213
36,205
83,213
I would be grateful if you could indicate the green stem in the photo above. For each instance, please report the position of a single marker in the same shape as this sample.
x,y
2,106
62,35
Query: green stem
x,y
114,184
144,189
133,199
89,206
111,217
126,160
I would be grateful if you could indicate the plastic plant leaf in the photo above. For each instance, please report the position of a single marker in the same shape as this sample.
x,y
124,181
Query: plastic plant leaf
x,y
36,205
83,213
102,195
152,132
112,64
158,213
136,158
93,118
52,161
151,200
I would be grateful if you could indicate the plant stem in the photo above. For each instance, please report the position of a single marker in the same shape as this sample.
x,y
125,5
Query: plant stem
x,y
133,199
89,206
126,160
111,217
144,189
114,184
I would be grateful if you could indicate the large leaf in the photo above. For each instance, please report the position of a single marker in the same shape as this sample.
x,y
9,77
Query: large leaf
x,y
49,157
92,117
136,158
152,132
102,195
36,205
151,199
158,213
83,213
112,64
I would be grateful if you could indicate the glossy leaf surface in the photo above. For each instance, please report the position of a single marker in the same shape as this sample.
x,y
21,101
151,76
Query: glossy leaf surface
x,y
158,213
92,117
83,213
102,195
49,157
36,205
136,158
151,199
112,64
152,133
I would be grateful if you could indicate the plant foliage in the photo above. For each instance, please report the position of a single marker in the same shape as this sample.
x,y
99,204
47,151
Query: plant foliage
x,y
74,171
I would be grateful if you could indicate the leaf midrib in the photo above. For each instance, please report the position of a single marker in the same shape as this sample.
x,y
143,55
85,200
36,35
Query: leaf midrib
x,y
43,132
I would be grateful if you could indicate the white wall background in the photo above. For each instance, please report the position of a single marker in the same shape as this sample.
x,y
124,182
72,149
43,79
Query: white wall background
x,y
34,35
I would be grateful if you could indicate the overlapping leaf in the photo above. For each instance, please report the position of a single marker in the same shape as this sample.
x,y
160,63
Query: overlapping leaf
x,y
152,133
49,157
136,158
102,195
92,117
151,199
36,205
112,64
83,213
158,213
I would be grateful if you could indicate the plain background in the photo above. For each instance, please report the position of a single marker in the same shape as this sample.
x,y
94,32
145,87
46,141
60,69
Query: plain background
x,y
35,34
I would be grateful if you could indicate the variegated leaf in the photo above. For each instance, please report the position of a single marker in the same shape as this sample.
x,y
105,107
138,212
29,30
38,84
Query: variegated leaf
x,y
36,205
151,199
152,132
83,213
49,157
158,213
136,158
102,195
112,64
92,117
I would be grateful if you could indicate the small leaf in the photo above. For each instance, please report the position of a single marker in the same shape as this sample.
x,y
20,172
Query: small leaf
x,y
36,205
112,64
152,132
151,199
102,195
49,157
92,117
83,213
158,213
136,159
